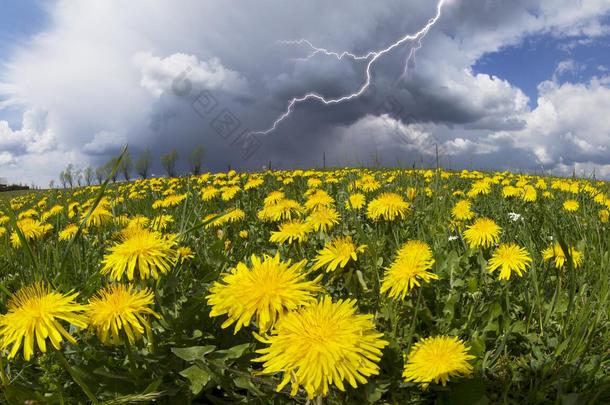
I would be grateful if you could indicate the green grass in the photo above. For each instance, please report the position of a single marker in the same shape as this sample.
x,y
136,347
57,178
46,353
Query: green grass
x,y
540,338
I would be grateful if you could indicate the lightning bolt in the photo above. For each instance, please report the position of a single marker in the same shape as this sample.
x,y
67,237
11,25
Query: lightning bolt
x,y
371,57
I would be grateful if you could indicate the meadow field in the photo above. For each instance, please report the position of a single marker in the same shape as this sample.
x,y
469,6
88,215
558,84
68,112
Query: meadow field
x,y
308,286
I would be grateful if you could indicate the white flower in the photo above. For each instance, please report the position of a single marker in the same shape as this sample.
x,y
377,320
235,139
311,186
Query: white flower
x,y
514,216
451,238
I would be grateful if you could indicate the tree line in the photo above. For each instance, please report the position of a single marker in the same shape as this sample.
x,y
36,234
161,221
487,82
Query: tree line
x,y
72,176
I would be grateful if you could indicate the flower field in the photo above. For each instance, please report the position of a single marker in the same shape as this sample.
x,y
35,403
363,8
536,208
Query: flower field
x,y
342,286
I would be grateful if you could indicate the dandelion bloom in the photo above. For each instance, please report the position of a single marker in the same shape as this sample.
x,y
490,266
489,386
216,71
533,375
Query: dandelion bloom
x,y
291,231
171,200
509,258
483,233
323,218
34,315
99,216
604,215
266,290
120,308
556,253
69,231
412,263
184,253
319,198
322,344
462,211
337,253
436,359
235,215
243,234
355,201
31,230
284,209
571,205
146,252
529,194
388,206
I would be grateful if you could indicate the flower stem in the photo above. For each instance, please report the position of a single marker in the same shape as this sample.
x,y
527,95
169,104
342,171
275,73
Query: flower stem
x,y
76,378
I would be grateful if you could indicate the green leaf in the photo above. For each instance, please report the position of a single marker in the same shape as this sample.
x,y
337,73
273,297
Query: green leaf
x,y
193,353
469,392
198,378
246,383
233,353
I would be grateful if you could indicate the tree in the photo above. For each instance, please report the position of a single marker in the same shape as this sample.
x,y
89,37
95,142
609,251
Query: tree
x,y
126,166
169,162
69,175
78,174
62,178
52,184
110,165
196,160
100,174
88,175
143,163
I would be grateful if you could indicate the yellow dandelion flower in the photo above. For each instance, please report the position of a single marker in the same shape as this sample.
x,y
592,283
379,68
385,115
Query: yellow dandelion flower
x,y
146,252
483,233
388,206
138,221
34,315
254,183
529,194
69,231
284,209
172,200
461,211
604,215
319,198
228,193
436,359
120,308
323,344
266,290
31,230
161,222
209,193
273,198
185,253
571,205
337,253
412,263
556,253
243,234
509,258
99,216
323,218
355,201
291,231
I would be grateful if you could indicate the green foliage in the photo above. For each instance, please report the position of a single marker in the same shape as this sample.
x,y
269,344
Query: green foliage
x,y
540,338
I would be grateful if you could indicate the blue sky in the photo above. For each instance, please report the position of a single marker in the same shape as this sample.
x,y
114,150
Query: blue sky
x,y
535,59
79,79
19,20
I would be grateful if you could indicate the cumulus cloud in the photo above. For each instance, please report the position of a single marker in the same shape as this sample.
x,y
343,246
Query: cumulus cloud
x,y
569,124
158,74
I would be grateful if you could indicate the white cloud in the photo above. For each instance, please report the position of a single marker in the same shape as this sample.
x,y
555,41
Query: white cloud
x,y
105,142
158,74
6,158
570,123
